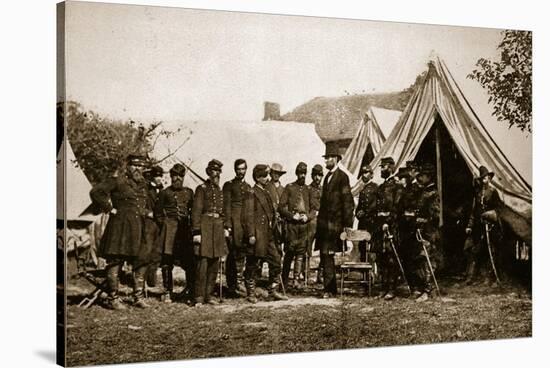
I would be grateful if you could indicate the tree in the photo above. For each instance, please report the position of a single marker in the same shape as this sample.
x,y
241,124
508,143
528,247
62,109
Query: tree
x,y
509,81
101,145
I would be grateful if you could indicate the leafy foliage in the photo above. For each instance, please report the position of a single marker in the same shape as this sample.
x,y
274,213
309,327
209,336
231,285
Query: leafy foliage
x,y
509,81
101,145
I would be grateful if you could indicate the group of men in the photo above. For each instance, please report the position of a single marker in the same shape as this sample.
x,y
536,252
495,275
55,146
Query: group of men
x,y
248,225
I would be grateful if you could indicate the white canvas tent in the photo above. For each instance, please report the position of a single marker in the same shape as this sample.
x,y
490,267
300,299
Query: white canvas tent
x,y
257,142
376,125
77,187
440,98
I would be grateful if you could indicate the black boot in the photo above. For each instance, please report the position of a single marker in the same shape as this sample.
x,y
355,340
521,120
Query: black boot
x,y
298,262
251,291
167,283
470,272
274,294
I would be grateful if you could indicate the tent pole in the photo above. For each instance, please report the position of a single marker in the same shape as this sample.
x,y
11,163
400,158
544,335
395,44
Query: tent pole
x,y
439,175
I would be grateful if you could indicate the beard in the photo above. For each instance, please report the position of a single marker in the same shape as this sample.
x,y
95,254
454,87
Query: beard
x,y
385,174
178,184
301,181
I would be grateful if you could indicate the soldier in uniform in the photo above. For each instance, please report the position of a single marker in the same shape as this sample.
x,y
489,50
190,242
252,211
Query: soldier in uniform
x,y
407,212
125,198
234,192
366,208
275,190
335,214
296,210
174,214
258,226
387,199
315,197
427,223
485,205
209,234
152,229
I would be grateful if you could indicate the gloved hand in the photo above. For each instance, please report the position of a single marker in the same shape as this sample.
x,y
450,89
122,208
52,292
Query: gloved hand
x,y
150,214
226,233
252,240
385,227
468,230
113,211
304,218
197,239
296,217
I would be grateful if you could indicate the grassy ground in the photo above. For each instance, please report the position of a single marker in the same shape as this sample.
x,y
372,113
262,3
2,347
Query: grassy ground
x,y
303,323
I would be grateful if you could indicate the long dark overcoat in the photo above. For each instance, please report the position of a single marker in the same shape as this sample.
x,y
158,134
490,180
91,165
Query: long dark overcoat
x,y
123,235
208,220
258,218
335,212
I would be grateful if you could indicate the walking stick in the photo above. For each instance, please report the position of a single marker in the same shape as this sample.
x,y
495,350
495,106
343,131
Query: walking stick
x,y
390,238
421,241
491,252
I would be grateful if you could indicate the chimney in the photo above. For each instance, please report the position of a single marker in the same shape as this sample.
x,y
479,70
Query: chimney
x,y
272,111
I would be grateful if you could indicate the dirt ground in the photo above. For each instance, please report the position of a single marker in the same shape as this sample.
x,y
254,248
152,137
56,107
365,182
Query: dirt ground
x,y
303,323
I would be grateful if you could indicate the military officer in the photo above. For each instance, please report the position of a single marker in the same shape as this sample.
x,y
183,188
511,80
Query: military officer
x,y
275,190
209,234
315,188
125,198
427,223
366,208
387,199
296,210
152,228
485,206
174,214
258,226
234,192
407,212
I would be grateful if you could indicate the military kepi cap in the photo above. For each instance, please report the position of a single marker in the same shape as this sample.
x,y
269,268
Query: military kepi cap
x,y
215,165
301,168
136,160
427,168
317,170
387,160
411,165
177,170
260,171
365,169
402,172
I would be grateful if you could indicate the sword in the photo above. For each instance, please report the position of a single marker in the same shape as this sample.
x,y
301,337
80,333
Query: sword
x,y
490,251
388,236
421,241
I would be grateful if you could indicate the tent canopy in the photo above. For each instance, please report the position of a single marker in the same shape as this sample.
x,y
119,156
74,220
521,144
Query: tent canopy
x,y
77,187
376,125
440,97
263,142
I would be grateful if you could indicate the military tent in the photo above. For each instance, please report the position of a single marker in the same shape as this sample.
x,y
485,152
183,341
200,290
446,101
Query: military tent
x,y
257,142
73,188
371,134
439,126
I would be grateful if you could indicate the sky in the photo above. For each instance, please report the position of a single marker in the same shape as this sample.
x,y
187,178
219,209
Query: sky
x,y
155,63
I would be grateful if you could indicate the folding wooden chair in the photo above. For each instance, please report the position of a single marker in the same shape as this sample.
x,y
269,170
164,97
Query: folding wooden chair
x,y
346,268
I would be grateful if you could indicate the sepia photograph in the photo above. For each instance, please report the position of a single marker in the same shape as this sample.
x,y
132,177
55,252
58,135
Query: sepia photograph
x,y
235,183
